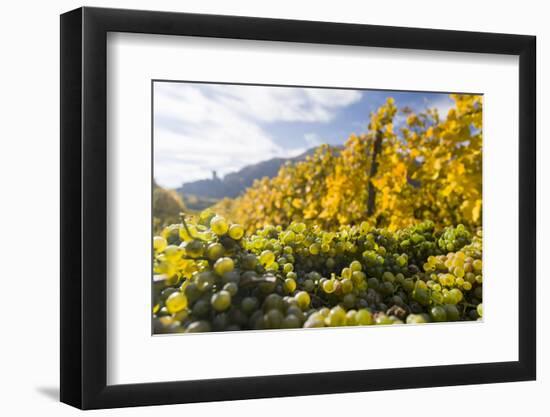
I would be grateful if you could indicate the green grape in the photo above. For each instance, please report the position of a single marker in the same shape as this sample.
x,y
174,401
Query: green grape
x,y
267,287
329,286
416,319
290,285
478,292
355,266
400,278
292,275
346,273
221,300
336,317
315,249
256,320
163,312
358,277
198,327
224,265
273,266
457,295
176,302
214,251
388,277
348,300
421,285
211,275
231,276
164,294
459,272
473,314
289,237
194,248
205,280
303,299
449,298
364,317
346,286
408,284
396,320
324,311
249,304
309,285
437,297
438,313
452,312
387,288
295,310
315,320
299,227
315,276
219,225
479,309
201,308
232,288
236,231
374,283
181,315
273,319
351,318
291,322
273,302
382,319
478,266
249,262
267,257
220,322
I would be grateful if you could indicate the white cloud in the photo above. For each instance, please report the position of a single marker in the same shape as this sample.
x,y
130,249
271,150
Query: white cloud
x,y
312,139
201,128
272,104
442,104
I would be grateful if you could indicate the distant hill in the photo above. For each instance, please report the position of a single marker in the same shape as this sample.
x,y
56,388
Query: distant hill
x,y
233,184
167,206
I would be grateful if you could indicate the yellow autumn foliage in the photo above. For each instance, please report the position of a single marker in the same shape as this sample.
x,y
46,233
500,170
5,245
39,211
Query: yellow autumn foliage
x,y
429,168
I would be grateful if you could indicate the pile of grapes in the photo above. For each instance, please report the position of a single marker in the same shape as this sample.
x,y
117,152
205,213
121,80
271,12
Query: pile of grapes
x,y
209,276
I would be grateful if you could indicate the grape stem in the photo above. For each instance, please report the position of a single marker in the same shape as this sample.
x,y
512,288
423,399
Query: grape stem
x,y
189,231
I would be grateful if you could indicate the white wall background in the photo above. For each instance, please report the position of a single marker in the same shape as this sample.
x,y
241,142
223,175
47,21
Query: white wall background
x,y
29,220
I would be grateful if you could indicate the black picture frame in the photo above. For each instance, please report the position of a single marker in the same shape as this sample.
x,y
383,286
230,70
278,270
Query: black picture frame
x,y
84,207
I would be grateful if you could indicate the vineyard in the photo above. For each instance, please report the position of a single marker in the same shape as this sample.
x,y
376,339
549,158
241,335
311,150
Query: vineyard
x,y
385,230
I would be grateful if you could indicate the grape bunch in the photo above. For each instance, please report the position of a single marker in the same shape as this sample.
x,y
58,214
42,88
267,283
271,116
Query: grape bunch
x,y
210,276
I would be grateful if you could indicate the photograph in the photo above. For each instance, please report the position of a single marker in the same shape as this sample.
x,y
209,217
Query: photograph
x,y
285,207
264,193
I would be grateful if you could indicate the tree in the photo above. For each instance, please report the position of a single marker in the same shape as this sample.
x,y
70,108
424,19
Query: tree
x,y
430,169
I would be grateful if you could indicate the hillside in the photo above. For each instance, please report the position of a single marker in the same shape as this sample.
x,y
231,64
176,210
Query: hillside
x,y
233,184
167,205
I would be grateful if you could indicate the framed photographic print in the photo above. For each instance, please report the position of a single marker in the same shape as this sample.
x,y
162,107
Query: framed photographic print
x,y
291,208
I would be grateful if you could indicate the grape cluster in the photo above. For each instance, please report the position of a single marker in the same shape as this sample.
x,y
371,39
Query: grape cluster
x,y
210,276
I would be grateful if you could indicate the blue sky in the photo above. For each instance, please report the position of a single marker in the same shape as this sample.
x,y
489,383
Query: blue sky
x,y
199,128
